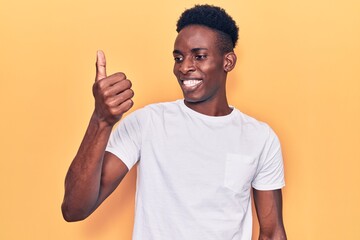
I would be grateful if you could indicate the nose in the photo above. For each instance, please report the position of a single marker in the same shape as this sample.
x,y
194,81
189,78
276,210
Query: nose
x,y
187,65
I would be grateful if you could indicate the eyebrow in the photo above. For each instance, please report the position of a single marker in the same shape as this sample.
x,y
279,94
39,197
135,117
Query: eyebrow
x,y
198,49
192,50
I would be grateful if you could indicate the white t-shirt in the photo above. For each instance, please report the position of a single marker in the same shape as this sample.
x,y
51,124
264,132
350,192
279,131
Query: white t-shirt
x,y
195,171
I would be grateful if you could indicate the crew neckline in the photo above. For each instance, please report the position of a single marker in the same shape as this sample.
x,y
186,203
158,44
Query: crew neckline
x,y
207,117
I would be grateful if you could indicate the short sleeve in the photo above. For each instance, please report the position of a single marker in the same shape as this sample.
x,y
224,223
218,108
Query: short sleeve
x,y
270,171
125,140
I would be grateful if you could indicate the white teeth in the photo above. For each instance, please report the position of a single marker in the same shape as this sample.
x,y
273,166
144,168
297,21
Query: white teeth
x,y
191,83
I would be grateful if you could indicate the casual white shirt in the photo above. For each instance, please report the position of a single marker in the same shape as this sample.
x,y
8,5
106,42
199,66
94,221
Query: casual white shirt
x,y
195,171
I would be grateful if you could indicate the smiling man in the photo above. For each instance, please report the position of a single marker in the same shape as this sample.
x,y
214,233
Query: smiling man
x,y
198,157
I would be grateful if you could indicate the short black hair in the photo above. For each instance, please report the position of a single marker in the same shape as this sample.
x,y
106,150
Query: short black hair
x,y
215,18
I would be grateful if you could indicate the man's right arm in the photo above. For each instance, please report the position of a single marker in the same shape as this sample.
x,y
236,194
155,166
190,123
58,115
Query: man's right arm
x,y
94,174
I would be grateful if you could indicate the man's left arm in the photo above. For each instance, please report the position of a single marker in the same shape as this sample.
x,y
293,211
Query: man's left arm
x,y
268,206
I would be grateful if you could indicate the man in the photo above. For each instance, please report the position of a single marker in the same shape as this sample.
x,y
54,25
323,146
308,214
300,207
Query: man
x,y
198,158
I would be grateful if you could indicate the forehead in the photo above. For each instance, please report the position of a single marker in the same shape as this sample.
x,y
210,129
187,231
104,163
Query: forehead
x,y
196,36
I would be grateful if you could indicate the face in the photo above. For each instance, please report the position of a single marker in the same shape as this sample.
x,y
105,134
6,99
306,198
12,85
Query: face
x,y
199,65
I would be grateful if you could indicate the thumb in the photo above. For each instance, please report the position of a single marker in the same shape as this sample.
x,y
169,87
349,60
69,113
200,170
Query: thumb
x,y
100,65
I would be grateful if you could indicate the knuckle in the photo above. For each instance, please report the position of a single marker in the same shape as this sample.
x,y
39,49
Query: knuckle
x,y
106,93
100,84
110,102
119,98
113,111
107,102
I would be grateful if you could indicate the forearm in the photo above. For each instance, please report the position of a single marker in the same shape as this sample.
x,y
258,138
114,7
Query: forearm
x,y
86,183
83,180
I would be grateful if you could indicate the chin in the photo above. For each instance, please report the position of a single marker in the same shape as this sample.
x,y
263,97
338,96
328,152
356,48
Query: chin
x,y
193,100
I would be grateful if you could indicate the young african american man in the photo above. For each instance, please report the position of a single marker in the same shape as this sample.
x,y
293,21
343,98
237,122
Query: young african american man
x,y
198,157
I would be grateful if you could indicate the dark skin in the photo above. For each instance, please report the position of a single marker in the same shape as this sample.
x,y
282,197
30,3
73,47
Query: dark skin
x,y
197,57
268,206
94,174
201,70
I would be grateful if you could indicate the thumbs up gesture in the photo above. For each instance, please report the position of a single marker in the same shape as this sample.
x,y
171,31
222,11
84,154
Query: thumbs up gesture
x,y
112,93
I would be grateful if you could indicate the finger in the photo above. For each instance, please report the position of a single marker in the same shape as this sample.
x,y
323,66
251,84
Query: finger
x,y
100,65
124,107
117,100
117,88
115,78
109,84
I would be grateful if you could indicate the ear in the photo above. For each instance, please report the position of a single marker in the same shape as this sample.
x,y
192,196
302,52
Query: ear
x,y
229,61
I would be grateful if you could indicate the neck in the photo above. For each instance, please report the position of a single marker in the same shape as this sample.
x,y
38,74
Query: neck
x,y
210,108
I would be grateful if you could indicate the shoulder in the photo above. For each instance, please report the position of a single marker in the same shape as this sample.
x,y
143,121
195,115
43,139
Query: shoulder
x,y
153,110
252,124
161,110
162,106
255,129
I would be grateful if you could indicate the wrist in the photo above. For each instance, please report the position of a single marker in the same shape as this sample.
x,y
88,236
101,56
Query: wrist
x,y
101,123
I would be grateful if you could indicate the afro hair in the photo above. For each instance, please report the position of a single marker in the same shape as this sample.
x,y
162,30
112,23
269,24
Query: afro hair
x,y
215,18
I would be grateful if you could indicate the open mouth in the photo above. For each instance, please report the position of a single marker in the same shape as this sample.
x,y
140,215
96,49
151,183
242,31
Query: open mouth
x,y
191,83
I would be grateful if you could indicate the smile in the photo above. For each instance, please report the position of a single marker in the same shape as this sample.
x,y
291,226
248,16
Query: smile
x,y
191,82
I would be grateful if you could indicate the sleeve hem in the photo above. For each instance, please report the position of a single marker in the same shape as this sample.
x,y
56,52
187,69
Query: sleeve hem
x,y
268,187
128,164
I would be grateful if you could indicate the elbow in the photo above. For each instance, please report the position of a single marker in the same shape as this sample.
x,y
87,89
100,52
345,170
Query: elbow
x,y
281,236
273,234
72,214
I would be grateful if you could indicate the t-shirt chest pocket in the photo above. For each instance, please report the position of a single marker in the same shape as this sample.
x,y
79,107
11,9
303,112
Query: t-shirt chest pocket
x,y
239,172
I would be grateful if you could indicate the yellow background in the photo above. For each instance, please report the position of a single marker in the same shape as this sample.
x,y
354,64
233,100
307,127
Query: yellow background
x,y
298,69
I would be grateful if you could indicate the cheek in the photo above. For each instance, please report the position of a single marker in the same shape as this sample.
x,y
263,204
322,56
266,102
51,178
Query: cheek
x,y
211,69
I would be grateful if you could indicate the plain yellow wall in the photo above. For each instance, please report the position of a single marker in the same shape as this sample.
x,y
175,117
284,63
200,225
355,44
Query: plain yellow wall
x,y
298,69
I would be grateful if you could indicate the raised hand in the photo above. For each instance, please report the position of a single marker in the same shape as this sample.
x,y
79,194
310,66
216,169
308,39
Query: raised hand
x,y
112,93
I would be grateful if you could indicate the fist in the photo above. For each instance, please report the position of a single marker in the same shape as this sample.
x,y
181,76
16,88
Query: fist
x,y
112,93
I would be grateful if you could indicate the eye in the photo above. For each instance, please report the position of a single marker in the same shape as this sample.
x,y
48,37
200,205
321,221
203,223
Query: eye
x,y
178,59
200,57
